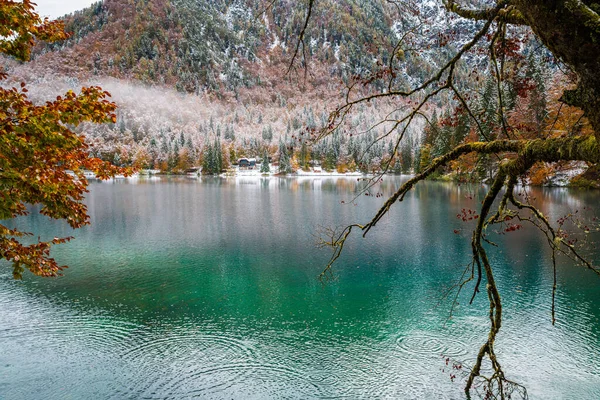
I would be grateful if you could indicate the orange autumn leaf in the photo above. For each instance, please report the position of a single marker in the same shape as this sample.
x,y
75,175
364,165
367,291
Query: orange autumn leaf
x,y
42,160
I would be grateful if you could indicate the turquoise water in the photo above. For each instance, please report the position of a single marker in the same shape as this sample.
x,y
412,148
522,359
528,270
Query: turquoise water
x,y
208,289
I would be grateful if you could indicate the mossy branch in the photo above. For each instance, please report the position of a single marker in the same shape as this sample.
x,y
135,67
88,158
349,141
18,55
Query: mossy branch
x,y
508,14
519,156
547,150
586,15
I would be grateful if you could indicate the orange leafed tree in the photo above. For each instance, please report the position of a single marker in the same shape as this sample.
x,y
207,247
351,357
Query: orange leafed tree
x,y
42,159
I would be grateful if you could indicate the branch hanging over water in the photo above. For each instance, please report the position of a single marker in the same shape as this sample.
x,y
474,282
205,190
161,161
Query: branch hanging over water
x,y
519,157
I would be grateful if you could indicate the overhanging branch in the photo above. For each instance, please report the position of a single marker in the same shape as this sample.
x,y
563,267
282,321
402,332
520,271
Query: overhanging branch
x,y
509,14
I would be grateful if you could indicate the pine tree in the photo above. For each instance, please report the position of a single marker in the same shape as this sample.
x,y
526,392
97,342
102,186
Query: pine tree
x,y
488,107
264,165
285,166
173,159
442,142
229,133
406,158
461,130
330,161
417,161
267,133
397,167
213,158
432,130
537,97
218,156
304,157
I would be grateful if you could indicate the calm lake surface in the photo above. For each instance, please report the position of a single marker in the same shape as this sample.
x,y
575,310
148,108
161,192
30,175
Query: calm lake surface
x,y
208,288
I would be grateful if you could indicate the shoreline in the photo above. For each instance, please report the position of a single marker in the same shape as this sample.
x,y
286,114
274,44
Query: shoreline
x,y
558,183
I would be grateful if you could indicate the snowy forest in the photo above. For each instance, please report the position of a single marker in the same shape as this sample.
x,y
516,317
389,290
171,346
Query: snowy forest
x,y
190,77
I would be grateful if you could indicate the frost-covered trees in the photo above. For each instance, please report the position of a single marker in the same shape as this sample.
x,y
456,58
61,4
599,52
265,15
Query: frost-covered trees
x,y
212,158
285,165
264,165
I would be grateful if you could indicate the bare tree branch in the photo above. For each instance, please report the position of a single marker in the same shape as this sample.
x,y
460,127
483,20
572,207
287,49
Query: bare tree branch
x,y
300,41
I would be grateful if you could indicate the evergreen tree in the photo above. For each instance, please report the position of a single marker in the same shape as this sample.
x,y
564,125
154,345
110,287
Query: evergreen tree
x,y
406,161
537,97
212,162
432,130
304,157
285,165
488,108
208,160
390,149
330,161
229,133
397,167
442,142
173,159
153,152
417,161
461,130
218,156
267,133
264,165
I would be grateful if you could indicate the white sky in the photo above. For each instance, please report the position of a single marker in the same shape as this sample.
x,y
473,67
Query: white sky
x,y
58,8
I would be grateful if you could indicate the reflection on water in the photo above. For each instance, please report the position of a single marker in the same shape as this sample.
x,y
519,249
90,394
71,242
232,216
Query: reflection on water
x,y
208,288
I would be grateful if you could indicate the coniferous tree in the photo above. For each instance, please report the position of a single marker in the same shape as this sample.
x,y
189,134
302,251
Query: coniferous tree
x,y
441,144
173,159
267,133
397,167
431,131
488,108
212,158
330,161
264,165
304,157
207,160
461,130
285,165
537,97
417,161
406,161
218,156
229,133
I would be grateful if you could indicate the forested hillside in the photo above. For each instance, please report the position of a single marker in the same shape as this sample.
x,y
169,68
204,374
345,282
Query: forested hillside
x,y
198,45
192,74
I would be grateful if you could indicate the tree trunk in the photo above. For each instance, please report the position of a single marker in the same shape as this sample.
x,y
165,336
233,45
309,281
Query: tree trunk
x,y
571,31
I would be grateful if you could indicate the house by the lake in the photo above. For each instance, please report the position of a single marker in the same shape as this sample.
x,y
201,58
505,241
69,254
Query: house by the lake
x,y
247,163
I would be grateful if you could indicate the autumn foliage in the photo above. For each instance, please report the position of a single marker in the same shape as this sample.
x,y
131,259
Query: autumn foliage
x,y
42,159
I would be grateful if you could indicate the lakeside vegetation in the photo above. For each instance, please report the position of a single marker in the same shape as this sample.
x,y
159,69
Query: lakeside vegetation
x,y
180,89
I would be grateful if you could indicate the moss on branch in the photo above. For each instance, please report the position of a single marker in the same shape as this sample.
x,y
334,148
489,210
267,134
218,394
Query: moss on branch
x,y
587,15
526,152
507,14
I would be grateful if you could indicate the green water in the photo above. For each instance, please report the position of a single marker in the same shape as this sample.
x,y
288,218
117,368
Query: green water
x,y
208,289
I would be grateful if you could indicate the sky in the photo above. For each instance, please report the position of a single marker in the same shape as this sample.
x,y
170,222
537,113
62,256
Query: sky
x,y
58,8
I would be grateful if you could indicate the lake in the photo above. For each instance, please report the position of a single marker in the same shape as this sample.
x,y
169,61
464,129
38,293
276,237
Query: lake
x,y
209,288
